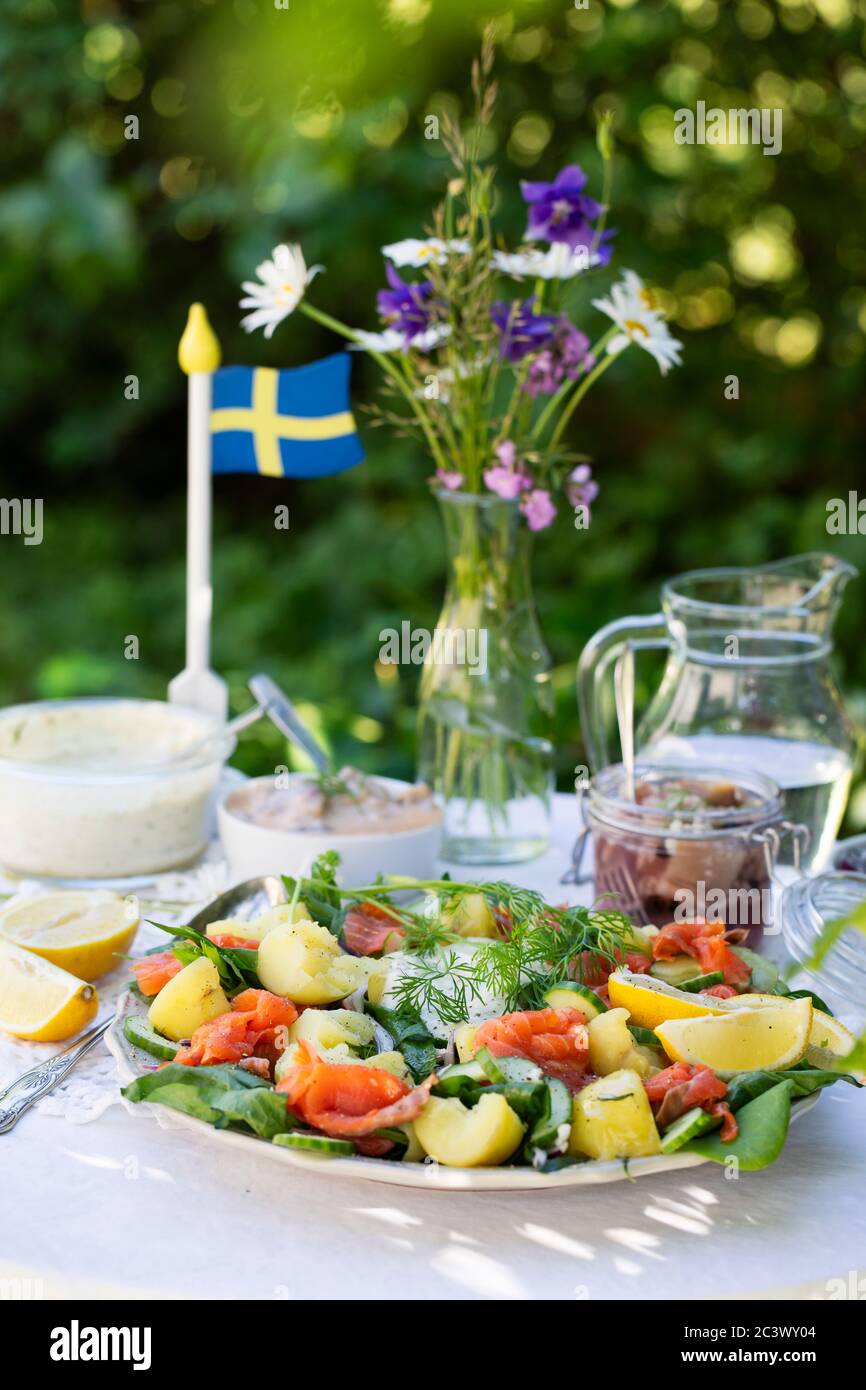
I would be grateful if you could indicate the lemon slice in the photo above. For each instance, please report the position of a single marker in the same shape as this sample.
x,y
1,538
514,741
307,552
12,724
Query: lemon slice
x,y
651,1001
828,1041
84,932
764,1039
38,1000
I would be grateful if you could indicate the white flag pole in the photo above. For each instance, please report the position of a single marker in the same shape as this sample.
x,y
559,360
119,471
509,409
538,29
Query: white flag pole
x,y
197,685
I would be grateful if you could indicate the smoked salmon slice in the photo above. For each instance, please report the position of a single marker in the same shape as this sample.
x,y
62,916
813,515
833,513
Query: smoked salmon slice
x,y
346,1101
556,1040
369,929
152,972
682,1087
258,1023
705,942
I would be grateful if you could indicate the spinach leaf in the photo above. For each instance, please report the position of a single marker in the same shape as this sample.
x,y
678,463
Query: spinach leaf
x,y
802,1080
196,1091
528,1099
763,1124
260,1109
323,900
236,966
816,999
411,1036
463,1087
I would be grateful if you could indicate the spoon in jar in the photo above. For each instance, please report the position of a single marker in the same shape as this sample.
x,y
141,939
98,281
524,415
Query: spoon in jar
x,y
623,684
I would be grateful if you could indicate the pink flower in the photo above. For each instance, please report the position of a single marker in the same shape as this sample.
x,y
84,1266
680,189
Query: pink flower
x,y
581,489
449,480
538,509
507,479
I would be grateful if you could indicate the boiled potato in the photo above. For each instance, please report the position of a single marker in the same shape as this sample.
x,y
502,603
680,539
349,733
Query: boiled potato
x,y
459,1138
612,1047
464,1041
257,930
193,997
378,972
394,1062
326,1028
612,1119
303,962
470,916
414,1152
342,1055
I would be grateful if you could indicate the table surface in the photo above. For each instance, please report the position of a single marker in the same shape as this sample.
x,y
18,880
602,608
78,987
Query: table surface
x,y
124,1207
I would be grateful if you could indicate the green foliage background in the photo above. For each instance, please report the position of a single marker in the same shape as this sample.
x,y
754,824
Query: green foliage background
x,y
258,123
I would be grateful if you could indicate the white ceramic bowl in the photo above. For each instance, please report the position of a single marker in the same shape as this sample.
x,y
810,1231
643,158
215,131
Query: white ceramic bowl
x,y
254,849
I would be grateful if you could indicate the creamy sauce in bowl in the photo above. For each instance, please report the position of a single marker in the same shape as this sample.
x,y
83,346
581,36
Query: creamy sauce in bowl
x,y
349,804
105,788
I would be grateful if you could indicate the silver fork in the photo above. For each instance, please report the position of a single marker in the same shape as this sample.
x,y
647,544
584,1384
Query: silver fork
x,y
621,885
245,900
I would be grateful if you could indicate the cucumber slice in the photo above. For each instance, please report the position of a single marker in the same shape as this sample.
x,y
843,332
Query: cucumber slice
x,y
645,1036
473,1070
462,1079
559,1113
673,972
687,1127
699,982
520,1069
315,1143
490,1066
571,995
138,1031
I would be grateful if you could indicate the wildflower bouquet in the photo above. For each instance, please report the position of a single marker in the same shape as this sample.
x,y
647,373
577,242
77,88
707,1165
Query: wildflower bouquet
x,y
489,380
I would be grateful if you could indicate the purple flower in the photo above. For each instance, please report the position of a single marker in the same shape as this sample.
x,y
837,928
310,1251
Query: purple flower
x,y
560,211
581,489
507,479
522,330
404,306
567,356
538,509
451,480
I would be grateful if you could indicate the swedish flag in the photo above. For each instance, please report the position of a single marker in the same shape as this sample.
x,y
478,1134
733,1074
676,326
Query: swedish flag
x,y
291,424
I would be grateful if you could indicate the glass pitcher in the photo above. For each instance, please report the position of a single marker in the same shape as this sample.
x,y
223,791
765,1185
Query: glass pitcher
x,y
747,684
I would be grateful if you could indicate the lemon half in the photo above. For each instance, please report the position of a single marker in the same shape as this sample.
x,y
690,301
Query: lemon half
x,y
38,1000
762,1039
83,931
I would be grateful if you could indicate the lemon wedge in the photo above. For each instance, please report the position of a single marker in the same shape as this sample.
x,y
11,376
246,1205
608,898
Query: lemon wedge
x,y
828,1041
84,932
763,1039
38,1000
651,1001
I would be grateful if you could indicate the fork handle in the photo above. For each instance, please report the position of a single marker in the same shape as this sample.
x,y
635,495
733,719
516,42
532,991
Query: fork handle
x,y
37,1082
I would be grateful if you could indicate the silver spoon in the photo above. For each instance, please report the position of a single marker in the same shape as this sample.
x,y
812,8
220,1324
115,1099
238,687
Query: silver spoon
x,y
245,901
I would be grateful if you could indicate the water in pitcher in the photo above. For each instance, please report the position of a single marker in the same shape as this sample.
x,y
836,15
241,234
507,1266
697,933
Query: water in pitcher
x,y
814,778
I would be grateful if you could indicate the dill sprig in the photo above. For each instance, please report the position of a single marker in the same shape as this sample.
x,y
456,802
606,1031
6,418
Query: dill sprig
x,y
542,946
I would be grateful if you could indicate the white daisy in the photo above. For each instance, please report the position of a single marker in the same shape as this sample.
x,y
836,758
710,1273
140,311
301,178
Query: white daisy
x,y
416,254
558,262
391,340
634,310
283,282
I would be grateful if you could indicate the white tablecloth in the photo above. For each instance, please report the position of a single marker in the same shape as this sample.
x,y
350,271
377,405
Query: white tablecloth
x,y
122,1207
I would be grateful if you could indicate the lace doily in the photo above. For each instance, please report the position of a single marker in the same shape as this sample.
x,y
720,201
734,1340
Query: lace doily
x,y
92,1086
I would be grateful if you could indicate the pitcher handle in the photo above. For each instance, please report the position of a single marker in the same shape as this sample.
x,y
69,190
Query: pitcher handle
x,y
600,652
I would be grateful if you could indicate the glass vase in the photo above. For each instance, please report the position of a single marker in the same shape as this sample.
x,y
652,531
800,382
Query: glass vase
x,y
486,705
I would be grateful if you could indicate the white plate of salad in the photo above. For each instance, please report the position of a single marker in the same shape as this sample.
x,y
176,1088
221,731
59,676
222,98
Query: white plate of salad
x,y
478,1038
